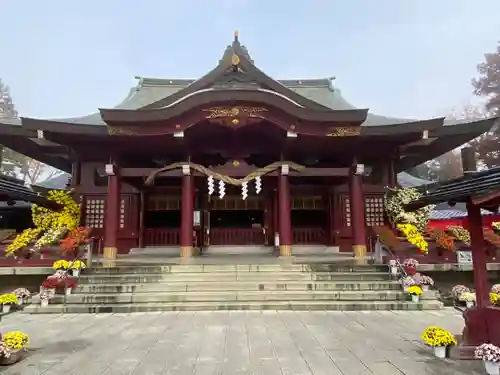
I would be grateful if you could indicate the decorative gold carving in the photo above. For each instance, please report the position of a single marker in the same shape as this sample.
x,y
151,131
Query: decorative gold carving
x,y
120,130
235,60
217,112
236,163
345,131
235,121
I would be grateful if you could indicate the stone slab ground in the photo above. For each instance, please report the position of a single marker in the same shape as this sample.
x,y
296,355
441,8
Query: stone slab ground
x,y
235,343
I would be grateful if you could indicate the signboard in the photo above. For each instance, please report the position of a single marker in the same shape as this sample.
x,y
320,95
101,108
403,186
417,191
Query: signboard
x,y
464,257
196,218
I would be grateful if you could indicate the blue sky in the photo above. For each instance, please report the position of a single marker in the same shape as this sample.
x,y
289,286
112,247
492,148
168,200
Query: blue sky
x,y
411,58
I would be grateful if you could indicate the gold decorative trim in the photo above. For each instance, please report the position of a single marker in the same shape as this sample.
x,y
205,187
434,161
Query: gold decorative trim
x,y
217,112
285,250
186,251
359,251
345,131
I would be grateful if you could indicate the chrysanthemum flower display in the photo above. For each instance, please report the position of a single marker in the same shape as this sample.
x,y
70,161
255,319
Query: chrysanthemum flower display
x,y
436,336
411,224
50,226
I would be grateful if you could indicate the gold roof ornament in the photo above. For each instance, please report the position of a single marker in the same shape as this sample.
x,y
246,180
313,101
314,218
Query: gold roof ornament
x,y
235,34
235,60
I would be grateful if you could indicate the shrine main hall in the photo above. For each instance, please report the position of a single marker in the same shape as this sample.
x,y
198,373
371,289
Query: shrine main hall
x,y
234,159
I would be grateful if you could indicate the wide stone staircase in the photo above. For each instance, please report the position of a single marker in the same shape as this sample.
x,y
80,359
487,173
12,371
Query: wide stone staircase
x,y
278,286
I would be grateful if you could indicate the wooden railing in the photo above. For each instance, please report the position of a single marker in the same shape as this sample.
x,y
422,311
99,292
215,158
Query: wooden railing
x,y
308,236
161,236
236,236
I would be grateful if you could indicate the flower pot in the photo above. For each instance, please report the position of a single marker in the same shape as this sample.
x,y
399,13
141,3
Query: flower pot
x,y
415,298
394,270
410,271
68,291
6,308
76,272
492,368
440,351
425,288
20,301
44,302
469,304
15,356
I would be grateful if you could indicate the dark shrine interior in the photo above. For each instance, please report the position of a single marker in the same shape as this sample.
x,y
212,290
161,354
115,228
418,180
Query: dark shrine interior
x,y
234,218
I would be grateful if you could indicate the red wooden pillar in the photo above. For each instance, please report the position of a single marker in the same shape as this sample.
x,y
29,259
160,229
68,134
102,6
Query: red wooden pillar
x,y
284,213
112,212
357,207
478,255
187,213
142,209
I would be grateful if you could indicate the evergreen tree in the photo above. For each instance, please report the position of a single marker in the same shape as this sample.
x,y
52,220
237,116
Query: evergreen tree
x,y
487,85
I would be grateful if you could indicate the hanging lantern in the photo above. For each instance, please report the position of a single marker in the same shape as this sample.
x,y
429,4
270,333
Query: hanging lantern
x,y
211,185
244,190
222,189
258,184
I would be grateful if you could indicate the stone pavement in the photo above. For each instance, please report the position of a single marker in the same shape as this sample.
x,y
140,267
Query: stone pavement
x,y
234,343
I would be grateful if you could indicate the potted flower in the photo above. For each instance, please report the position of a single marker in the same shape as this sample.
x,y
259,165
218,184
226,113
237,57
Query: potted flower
x,y
45,296
457,290
22,295
60,265
415,292
7,300
495,299
393,266
439,339
69,284
426,282
51,284
14,344
490,355
77,266
495,289
5,353
410,266
469,299
407,281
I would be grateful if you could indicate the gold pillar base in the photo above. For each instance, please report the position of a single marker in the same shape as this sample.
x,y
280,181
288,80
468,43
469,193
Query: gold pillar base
x,y
285,250
186,251
359,250
359,254
109,253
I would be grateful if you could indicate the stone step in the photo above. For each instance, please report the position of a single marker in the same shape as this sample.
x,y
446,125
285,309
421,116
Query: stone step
x,y
232,296
238,268
236,285
234,276
234,305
